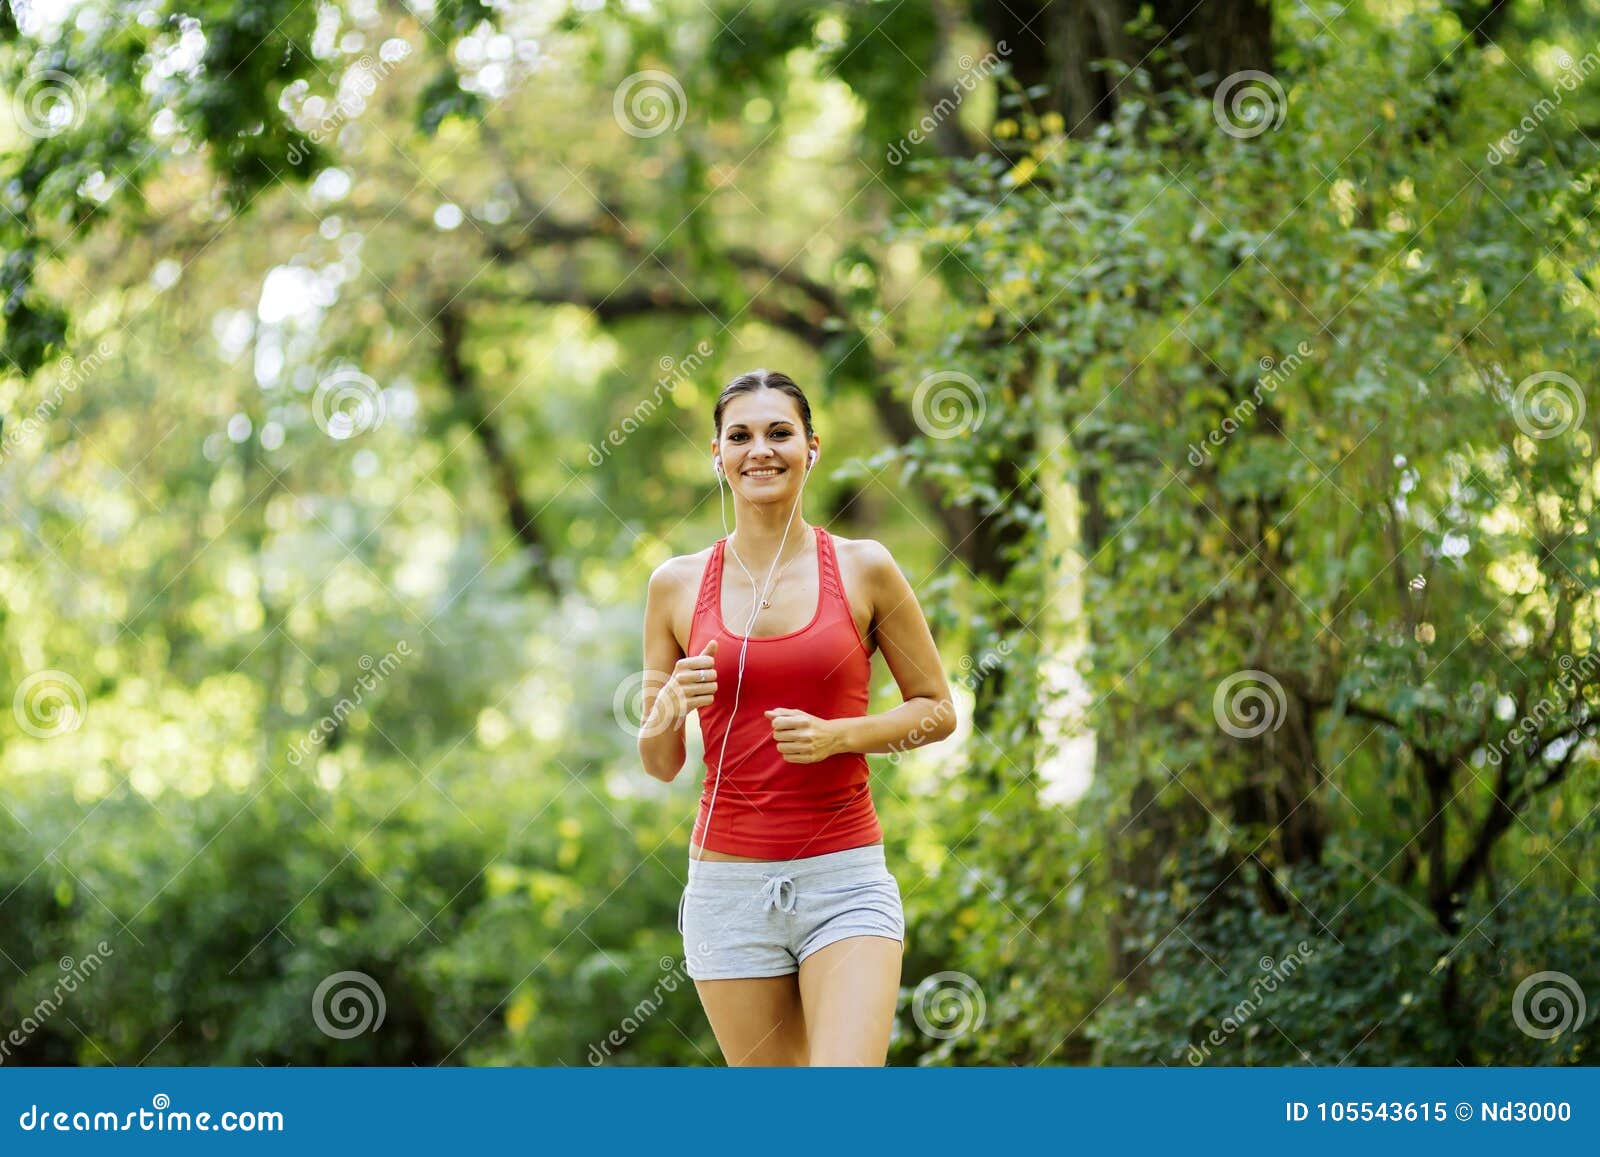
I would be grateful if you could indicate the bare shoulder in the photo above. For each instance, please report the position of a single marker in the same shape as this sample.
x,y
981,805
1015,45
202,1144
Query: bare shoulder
x,y
868,554
870,564
680,568
675,583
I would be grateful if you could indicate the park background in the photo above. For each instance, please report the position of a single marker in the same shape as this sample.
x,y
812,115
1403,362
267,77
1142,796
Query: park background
x,y
1217,373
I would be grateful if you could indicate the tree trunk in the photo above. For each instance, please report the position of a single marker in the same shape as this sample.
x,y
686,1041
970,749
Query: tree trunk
x,y
1053,45
462,381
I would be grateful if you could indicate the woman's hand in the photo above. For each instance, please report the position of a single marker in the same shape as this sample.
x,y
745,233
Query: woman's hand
x,y
693,684
804,738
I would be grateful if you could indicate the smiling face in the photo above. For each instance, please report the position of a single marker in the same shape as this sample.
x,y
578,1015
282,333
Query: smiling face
x,y
763,445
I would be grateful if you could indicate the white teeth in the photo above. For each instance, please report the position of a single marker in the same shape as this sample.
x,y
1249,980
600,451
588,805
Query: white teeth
x,y
762,473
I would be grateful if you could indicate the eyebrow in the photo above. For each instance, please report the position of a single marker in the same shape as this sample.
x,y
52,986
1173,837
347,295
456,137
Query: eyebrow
x,y
775,422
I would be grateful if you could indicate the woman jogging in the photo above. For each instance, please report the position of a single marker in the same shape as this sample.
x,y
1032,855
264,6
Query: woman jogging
x,y
792,922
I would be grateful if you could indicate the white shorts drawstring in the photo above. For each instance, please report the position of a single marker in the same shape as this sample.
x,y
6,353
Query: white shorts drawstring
x,y
772,891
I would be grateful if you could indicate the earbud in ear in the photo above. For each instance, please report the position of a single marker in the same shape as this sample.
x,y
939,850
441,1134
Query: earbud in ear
x,y
811,459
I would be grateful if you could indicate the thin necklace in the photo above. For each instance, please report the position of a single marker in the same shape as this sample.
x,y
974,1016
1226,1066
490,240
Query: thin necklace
x,y
766,603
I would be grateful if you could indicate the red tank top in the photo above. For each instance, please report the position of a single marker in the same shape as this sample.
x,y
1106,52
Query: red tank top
x,y
766,806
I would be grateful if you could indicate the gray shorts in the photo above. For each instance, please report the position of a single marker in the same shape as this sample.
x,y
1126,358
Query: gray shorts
x,y
762,918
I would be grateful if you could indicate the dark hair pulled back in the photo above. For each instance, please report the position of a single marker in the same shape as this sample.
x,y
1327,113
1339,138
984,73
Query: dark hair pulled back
x,y
748,383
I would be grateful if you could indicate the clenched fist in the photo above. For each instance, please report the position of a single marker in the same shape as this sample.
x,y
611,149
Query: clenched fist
x,y
803,738
693,684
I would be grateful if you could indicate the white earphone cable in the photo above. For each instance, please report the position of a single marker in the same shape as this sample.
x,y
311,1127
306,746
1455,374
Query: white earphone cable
x,y
755,609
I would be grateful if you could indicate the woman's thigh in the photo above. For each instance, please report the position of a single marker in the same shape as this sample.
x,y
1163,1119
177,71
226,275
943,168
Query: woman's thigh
x,y
757,1020
848,992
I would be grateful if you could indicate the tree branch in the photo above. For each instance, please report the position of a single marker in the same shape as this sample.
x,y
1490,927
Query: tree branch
x,y
824,316
1503,812
460,377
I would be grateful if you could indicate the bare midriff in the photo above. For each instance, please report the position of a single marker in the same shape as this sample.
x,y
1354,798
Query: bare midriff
x,y
696,852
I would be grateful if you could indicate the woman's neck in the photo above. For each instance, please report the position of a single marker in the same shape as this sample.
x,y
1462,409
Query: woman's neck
x,y
761,544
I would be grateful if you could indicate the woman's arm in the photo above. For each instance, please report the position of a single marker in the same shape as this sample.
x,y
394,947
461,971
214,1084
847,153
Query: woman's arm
x,y
661,744
928,713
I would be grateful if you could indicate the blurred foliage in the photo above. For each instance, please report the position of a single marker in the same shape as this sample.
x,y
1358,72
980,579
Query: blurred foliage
x,y
440,206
